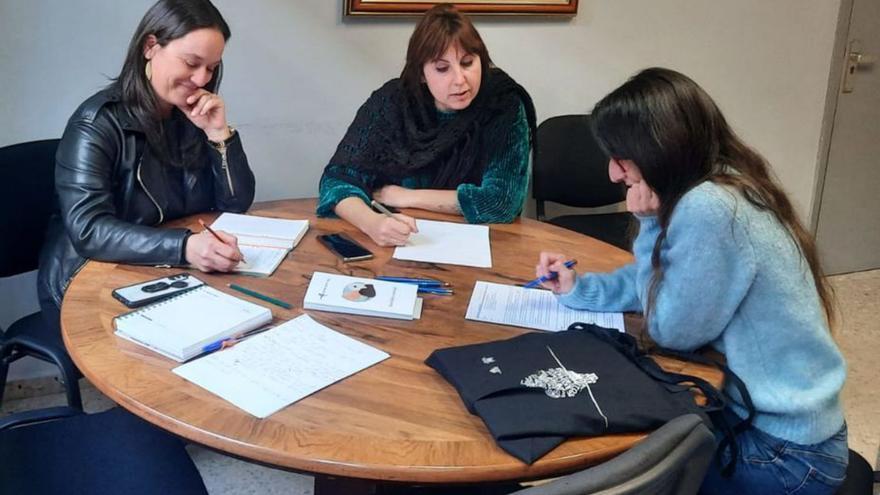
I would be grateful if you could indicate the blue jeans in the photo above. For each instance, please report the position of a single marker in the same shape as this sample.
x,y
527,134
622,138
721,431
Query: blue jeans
x,y
769,465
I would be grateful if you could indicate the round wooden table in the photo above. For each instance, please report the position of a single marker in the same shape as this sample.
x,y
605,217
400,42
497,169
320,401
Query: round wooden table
x,y
397,421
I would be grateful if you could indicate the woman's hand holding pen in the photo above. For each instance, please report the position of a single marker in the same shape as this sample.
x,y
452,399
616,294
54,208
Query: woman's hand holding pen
x,y
208,253
208,112
391,231
549,263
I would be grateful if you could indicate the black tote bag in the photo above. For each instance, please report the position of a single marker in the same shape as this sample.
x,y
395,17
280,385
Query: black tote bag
x,y
535,390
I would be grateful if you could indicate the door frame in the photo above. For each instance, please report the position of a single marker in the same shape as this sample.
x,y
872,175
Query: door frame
x,y
835,80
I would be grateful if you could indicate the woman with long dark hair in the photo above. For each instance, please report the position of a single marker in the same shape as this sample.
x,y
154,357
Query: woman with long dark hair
x,y
151,147
452,134
721,259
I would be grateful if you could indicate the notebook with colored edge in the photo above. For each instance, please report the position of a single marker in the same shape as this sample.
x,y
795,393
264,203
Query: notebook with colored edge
x,y
263,241
180,327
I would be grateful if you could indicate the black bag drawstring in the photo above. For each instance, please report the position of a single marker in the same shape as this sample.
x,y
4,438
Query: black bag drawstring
x,y
716,400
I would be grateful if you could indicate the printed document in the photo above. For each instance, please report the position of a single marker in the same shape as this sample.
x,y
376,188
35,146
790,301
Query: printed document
x,y
447,242
531,308
269,371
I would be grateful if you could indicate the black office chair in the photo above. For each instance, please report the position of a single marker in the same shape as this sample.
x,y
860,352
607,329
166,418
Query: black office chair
x,y
62,450
671,460
570,168
860,479
27,192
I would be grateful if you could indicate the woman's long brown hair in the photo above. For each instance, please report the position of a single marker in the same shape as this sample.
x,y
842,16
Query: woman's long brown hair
x,y
675,133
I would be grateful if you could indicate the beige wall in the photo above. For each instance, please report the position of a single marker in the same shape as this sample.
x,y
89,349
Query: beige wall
x,y
296,72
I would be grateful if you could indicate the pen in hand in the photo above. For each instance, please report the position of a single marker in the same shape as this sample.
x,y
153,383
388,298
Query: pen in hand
x,y
546,278
381,208
385,211
217,236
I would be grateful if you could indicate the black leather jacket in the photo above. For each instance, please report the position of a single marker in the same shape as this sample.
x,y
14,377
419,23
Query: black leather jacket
x,y
113,192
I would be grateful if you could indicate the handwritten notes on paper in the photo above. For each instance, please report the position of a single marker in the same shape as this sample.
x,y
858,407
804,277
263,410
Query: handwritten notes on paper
x,y
531,308
269,371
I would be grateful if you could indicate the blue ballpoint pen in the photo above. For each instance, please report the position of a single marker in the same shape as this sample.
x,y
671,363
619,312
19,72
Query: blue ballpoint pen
x,y
546,278
231,341
435,290
422,282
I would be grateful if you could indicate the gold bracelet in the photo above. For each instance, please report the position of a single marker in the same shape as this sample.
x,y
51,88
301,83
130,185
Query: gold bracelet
x,y
221,145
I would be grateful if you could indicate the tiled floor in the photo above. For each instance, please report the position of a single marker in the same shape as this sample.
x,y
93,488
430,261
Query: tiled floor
x,y
857,333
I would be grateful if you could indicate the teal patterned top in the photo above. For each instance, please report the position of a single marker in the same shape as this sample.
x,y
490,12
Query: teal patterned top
x,y
498,199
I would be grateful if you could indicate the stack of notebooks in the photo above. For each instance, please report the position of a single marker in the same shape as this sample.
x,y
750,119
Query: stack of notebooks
x,y
182,326
363,296
263,241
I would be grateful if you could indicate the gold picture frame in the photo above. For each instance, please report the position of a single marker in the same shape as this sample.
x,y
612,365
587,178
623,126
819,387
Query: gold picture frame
x,y
474,7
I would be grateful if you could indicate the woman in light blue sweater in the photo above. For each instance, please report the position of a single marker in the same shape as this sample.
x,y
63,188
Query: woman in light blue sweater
x,y
722,260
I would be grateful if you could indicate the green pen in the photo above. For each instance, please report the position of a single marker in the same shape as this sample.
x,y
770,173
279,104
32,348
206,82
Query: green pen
x,y
262,297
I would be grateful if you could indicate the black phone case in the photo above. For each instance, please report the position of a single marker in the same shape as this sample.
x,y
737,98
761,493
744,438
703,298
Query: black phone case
x,y
329,245
154,298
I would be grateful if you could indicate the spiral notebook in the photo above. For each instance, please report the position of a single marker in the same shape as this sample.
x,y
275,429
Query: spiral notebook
x,y
180,327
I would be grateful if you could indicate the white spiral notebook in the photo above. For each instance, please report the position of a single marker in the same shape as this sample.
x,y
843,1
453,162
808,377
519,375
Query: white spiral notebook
x,y
180,327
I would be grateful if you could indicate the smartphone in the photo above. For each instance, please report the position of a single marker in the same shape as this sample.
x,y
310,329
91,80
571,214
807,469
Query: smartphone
x,y
143,293
345,247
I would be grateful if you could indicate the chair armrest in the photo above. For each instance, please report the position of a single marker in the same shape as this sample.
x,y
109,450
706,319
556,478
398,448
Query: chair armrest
x,y
38,416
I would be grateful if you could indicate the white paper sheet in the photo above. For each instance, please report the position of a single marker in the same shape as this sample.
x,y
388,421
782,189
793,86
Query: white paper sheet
x,y
269,371
447,242
531,308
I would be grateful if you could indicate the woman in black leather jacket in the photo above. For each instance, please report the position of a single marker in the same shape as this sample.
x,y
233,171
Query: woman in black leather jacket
x,y
151,147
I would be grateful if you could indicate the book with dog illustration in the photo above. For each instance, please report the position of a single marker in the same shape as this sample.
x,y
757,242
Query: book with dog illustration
x,y
363,296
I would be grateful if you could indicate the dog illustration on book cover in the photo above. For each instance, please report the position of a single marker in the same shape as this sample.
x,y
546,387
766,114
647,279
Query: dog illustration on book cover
x,y
359,292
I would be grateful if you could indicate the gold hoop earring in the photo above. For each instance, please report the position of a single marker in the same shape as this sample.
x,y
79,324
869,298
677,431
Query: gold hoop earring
x,y
148,70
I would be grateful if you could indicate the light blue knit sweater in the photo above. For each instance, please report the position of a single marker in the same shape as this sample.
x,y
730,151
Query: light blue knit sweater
x,y
734,279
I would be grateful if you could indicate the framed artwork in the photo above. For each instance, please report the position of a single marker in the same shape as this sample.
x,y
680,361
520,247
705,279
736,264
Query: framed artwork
x,y
479,7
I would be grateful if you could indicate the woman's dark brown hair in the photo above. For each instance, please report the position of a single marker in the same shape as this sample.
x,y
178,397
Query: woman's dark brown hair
x,y
441,27
673,131
167,20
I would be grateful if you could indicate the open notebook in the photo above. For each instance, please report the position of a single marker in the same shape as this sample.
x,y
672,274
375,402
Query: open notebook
x,y
180,327
263,241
